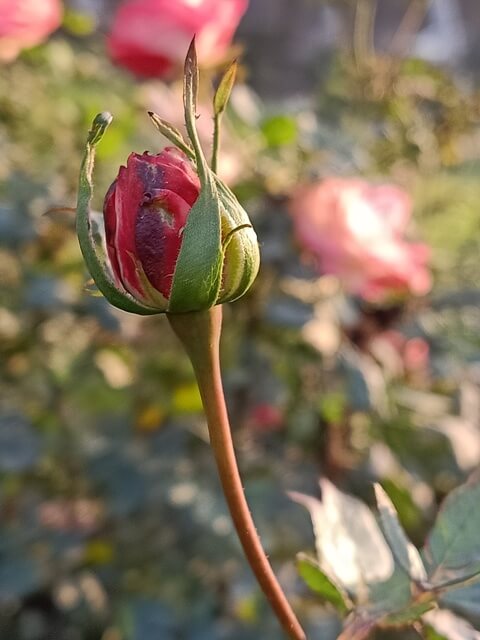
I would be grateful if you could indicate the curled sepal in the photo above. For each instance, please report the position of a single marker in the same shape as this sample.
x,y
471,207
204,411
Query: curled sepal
x,y
241,255
198,271
172,134
96,263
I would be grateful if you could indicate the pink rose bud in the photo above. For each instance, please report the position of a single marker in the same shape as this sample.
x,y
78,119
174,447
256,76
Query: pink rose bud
x,y
145,213
176,238
150,37
25,23
357,231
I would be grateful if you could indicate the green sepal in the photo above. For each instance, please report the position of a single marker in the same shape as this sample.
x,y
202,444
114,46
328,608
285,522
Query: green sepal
x,y
241,251
219,256
96,264
172,134
198,271
222,94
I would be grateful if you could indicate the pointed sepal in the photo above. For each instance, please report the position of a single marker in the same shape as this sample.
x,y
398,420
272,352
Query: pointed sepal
x,y
198,271
172,134
224,89
96,262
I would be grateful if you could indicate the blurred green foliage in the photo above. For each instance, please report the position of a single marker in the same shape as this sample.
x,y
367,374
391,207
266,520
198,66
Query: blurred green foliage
x,y
113,525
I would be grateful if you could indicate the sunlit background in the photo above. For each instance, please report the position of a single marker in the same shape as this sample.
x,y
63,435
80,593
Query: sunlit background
x,y
353,140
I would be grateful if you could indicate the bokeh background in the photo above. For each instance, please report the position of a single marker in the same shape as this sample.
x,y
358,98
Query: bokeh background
x,y
112,522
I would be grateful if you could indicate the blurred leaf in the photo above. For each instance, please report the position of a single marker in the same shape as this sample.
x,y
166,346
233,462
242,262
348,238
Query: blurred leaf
x,y
324,586
15,227
149,620
453,546
429,633
19,576
409,513
20,445
465,601
366,386
408,615
123,482
403,550
186,399
391,596
447,625
280,130
287,312
349,543
98,552
79,24
150,418
332,407
46,293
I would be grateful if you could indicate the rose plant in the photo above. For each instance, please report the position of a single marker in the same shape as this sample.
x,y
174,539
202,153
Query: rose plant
x,y
178,241
149,37
26,23
356,231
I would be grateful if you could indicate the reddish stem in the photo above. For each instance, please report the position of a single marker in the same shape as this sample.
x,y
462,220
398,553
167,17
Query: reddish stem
x,y
200,334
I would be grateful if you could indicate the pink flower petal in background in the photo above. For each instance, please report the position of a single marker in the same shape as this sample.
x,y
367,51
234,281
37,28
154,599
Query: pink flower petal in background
x,y
25,23
151,37
356,231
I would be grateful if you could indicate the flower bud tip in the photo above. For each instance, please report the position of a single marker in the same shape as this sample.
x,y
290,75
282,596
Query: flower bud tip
x,y
99,125
104,118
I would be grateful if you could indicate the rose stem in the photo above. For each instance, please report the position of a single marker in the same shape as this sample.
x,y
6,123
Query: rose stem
x,y
200,334
216,141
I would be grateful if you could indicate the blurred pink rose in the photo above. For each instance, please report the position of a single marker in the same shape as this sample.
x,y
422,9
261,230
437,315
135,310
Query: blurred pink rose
x,y
151,37
265,418
25,23
356,231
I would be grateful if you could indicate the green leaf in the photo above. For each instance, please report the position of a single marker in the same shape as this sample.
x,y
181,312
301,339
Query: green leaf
x,y
322,584
429,633
172,134
280,130
96,263
406,555
408,512
391,596
452,549
464,600
349,543
222,94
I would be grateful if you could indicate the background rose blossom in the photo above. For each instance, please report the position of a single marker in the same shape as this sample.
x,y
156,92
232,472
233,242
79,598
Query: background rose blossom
x,y
151,37
356,231
25,23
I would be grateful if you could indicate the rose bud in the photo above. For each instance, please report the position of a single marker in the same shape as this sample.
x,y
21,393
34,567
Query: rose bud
x,y
176,237
145,212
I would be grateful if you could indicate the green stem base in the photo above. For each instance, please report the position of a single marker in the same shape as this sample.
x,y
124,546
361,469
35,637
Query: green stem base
x,y
200,334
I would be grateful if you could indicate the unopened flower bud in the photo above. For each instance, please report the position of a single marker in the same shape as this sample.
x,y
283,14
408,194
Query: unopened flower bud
x,y
177,239
146,212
